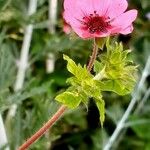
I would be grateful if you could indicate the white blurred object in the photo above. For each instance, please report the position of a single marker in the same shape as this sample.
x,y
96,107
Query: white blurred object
x,y
50,63
52,14
3,137
23,61
148,15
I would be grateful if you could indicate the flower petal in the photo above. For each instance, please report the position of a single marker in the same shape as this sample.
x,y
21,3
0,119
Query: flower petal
x,y
124,20
69,5
71,10
85,33
127,30
117,7
82,33
102,6
85,6
89,6
79,7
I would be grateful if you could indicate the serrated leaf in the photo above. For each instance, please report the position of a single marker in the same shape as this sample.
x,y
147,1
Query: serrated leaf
x,y
98,67
84,99
78,71
73,81
125,53
120,73
71,99
115,86
71,66
101,107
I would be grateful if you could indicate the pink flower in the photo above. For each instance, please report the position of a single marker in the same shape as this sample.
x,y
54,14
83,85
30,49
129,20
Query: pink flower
x,y
99,18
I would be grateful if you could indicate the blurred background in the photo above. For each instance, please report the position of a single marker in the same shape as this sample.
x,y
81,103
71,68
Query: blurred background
x,y
32,73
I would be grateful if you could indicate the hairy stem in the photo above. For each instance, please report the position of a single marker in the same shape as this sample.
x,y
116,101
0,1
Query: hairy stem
x,y
93,57
59,112
42,130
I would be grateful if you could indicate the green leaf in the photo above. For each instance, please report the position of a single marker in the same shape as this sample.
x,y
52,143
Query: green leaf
x,y
71,99
73,81
4,4
101,107
84,98
7,68
98,67
120,72
113,73
141,130
71,66
77,70
115,86
9,15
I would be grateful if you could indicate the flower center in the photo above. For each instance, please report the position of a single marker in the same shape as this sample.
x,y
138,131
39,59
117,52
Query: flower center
x,y
95,24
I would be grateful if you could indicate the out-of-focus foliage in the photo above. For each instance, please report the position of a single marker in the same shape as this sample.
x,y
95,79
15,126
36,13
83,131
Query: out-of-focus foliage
x,y
78,129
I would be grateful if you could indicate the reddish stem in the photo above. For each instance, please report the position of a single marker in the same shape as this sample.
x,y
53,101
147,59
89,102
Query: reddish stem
x,y
40,132
93,56
60,111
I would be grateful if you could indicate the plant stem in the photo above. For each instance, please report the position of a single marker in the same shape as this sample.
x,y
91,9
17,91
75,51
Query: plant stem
x,y
40,132
59,112
93,57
